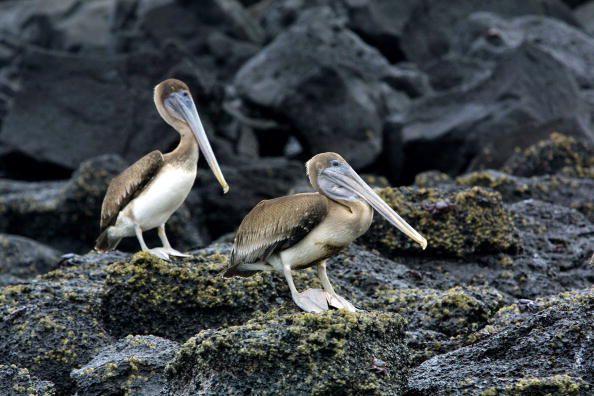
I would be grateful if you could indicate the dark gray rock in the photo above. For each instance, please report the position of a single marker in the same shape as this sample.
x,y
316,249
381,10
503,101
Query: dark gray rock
x,y
430,31
72,108
543,352
326,84
51,325
15,381
514,106
24,258
134,365
335,352
585,15
62,214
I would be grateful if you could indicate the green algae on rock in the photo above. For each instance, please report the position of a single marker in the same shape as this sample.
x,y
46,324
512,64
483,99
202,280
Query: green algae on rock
x,y
146,295
542,351
132,366
51,326
456,222
335,352
558,154
16,381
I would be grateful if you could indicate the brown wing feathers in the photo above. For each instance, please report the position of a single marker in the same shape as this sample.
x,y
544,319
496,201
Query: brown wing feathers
x,y
276,225
127,185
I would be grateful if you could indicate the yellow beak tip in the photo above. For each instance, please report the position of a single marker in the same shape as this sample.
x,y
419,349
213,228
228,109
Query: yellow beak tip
x,y
225,189
424,244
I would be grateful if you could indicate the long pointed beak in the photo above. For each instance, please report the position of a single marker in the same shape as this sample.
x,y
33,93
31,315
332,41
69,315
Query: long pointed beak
x,y
185,106
346,177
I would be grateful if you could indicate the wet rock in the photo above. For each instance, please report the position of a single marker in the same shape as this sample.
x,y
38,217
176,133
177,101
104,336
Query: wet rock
x,y
331,353
449,130
60,214
455,223
545,352
15,381
431,28
251,181
51,325
132,366
24,258
559,154
319,78
145,295
71,108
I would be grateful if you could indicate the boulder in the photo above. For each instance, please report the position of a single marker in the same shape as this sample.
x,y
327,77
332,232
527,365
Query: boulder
x,y
51,325
541,352
24,258
133,366
513,107
431,28
325,83
16,381
335,352
585,15
558,154
456,223
146,295
60,214
70,108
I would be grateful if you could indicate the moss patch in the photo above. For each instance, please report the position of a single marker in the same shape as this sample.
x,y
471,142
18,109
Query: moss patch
x,y
335,352
146,295
16,381
558,154
455,222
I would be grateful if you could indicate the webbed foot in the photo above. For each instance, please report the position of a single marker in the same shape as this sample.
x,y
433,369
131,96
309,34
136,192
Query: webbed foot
x,y
312,300
176,253
160,253
339,302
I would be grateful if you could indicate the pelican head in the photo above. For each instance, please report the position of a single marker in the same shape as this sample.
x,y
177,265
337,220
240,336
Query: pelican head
x,y
333,177
175,105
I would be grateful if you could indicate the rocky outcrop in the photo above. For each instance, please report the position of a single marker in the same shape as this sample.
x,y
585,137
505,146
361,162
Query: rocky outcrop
x,y
455,222
22,258
15,381
546,350
331,353
52,325
133,366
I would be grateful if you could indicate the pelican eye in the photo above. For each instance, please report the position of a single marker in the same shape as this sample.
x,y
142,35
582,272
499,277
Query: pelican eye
x,y
335,163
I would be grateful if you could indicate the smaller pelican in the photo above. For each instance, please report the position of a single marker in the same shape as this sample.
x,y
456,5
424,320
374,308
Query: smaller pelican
x,y
302,230
148,192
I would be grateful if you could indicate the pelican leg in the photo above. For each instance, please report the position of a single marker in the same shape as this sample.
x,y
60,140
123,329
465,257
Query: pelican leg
x,y
333,299
311,300
157,252
166,245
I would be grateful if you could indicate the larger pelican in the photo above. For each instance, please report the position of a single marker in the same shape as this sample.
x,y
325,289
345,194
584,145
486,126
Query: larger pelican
x,y
302,230
147,193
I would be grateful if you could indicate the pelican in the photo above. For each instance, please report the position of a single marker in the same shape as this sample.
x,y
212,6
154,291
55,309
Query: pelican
x,y
147,193
304,230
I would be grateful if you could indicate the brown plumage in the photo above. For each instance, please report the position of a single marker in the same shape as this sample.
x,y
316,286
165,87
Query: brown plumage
x,y
123,189
275,225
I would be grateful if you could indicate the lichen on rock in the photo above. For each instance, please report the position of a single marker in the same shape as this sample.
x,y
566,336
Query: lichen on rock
x,y
146,295
455,222
335,352
16,381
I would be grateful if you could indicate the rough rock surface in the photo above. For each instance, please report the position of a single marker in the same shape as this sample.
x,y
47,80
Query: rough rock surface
x,y
52,325
331,353
22,258
15,381
455,223
286,79
546,351
146,295
133,366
